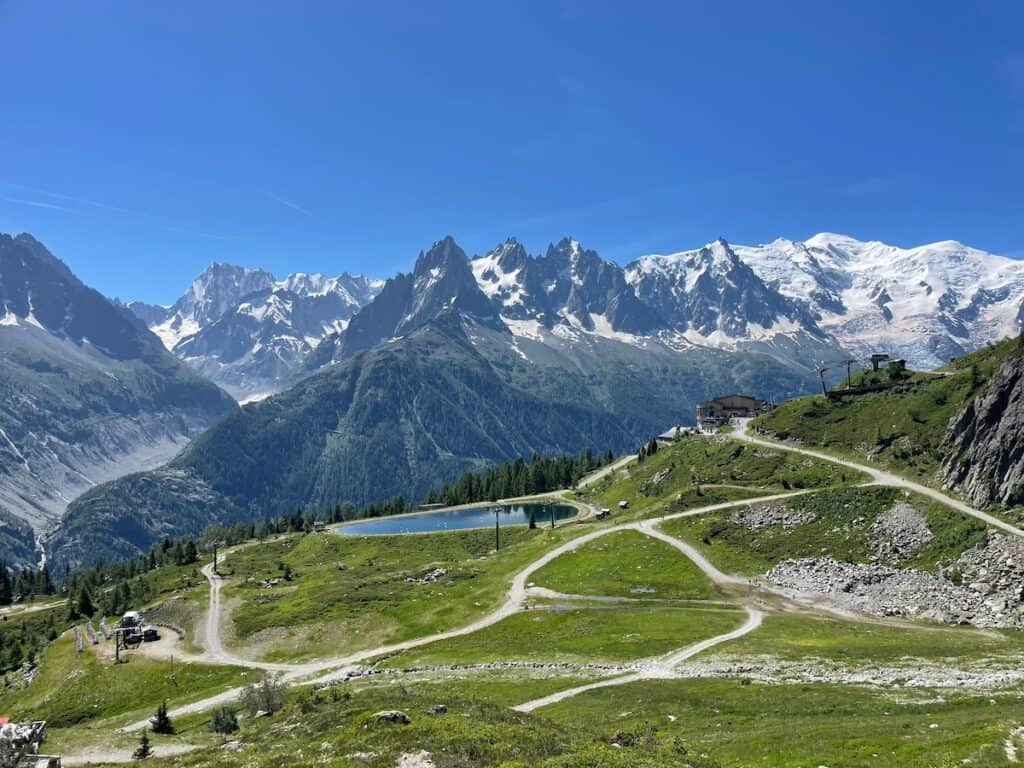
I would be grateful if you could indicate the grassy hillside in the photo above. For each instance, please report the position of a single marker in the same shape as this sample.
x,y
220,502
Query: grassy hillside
x,y
795,726
72,688
839,524
563,633
325,611
697,471
792,638
901,429
625,564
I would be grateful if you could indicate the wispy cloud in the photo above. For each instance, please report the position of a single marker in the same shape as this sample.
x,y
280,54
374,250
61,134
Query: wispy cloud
x,y
35,203
289,204
82,205
74,199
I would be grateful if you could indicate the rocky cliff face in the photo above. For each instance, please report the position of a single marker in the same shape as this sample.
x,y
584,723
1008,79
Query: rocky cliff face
x,y
985,442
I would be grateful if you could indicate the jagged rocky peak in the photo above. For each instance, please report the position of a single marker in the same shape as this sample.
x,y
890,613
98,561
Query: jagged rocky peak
x,y
505,257
443,281
442,284
442,254
219,288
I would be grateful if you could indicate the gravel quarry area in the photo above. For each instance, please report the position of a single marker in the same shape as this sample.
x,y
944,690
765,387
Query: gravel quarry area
x,y
984,587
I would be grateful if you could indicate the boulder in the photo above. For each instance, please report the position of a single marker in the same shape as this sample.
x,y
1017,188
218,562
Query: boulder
x,y
395,716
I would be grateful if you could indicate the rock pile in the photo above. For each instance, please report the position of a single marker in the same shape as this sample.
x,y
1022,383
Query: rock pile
x,y
429,577
897,533
984,587
994,570
766,515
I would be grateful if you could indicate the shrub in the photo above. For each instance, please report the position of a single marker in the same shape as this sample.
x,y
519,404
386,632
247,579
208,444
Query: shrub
x,y
268,695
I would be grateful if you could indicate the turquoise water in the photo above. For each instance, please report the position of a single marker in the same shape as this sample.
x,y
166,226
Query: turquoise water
x,y
457,519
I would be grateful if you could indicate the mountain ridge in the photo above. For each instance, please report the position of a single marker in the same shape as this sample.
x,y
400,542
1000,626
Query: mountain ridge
x,y
426,382
248,331
795,299
87,392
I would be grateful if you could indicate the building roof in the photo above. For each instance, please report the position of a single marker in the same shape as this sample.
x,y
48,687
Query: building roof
x,y
722,398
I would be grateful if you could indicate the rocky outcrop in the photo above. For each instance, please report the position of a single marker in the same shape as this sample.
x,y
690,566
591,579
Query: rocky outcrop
x,y
985,442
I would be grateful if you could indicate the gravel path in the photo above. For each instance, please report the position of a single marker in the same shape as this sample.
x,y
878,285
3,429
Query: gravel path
x,y
665,666
340,668
878,477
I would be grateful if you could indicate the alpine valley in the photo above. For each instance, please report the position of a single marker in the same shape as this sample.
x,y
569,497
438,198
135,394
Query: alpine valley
x,y
86,394
359,389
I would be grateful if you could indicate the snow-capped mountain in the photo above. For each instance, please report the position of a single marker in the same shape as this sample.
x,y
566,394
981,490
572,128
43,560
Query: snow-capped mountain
x,y
800,302
86,394
711,297
927,303
570,297
569,286
250,332
705,298
219,288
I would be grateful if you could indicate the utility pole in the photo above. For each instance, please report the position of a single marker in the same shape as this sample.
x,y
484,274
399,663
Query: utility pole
x,y
215,557
497,530
820,370
849,375
551,507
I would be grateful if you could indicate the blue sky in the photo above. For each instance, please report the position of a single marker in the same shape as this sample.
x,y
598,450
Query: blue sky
x,y
140,141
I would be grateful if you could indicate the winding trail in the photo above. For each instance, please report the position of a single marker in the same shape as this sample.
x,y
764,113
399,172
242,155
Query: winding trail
x,y
878,477
663,667
340,668
603,472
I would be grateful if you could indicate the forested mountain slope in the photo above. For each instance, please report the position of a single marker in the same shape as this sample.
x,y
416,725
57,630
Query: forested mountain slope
x,y
405,416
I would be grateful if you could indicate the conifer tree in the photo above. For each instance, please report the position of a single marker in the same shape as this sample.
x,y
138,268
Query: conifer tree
x,y
162,722
6,588
85,604
144,750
